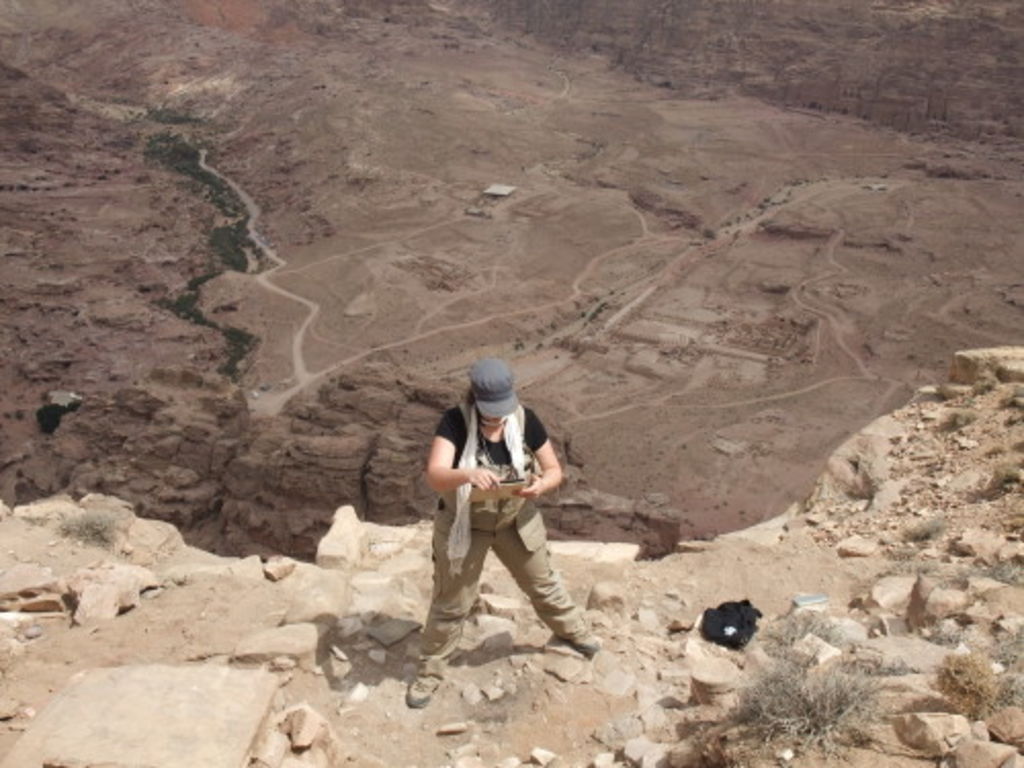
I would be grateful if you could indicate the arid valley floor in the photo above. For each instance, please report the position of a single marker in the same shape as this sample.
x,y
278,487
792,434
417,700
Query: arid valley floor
x,y
701,297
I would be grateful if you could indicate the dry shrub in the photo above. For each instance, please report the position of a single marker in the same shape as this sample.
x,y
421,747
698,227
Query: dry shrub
x,y
779,636
950,391
924,530
1009,648
948,633
1007,572
1006,477
820,708
957,420
969,684
985,383
98,529
1011,692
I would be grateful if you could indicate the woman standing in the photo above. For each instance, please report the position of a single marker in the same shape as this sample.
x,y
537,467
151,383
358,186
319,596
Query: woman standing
x,y
478,444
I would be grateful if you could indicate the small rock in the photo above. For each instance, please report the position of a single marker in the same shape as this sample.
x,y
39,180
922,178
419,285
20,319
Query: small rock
x,y
617,682
890,594
349,625
32,632
980,544
304,726
390,631
607,596
499,605
360,692
8,708
648,619
813,647
494,692
472,694
856,546
453,729
378,656
540,756
278,567
642,752
713,679
565,668
283,664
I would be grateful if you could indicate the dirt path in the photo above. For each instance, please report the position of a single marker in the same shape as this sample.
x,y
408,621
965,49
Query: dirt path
x,y
271,403
299,371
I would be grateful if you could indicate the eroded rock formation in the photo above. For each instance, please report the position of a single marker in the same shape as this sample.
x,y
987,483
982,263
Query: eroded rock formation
x,y
885,62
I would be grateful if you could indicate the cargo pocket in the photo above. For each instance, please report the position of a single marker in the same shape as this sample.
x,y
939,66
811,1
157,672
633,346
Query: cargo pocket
x,y
531,528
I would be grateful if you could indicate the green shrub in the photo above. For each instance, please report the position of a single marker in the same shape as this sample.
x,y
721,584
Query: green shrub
x,y
171,116
969,684
176,153
48,416
240,344
230,242
819,708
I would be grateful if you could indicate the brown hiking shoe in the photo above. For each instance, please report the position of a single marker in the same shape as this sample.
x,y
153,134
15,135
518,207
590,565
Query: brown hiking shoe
x,y
421,690
587,645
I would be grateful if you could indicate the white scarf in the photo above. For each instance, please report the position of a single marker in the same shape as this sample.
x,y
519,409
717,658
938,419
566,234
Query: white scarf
x,y
459,537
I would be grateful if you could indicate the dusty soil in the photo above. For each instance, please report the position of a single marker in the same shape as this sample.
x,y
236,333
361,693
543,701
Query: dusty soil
x,y
700,297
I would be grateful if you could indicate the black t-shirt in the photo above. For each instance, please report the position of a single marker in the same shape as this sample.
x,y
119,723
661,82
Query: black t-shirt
x,y
453,429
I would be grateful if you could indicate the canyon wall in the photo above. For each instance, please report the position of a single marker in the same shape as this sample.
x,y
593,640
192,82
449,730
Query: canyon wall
x,y
914,65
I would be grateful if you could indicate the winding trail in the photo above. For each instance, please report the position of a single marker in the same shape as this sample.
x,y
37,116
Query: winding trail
x,y
271,403
300,373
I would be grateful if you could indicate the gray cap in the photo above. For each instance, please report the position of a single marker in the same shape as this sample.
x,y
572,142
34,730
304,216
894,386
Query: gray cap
x,y
493,387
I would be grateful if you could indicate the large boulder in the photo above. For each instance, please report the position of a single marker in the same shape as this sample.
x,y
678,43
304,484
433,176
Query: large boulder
x,y
344,546
105,590
315,595
933,733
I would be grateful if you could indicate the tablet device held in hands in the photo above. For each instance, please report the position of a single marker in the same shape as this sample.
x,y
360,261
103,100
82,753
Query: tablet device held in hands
x,y
507,489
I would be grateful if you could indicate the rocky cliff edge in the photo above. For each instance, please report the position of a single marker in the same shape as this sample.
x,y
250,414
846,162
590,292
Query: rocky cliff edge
x,y
122,646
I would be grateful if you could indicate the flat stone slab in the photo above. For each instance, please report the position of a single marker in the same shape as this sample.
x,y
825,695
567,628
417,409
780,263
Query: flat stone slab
x,y
157,716
595,551
297,641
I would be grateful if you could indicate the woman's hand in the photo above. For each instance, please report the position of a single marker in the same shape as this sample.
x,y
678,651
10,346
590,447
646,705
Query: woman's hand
x,y
536,487
481,477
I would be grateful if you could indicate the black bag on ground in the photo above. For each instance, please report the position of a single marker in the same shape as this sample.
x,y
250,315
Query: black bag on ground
x,y
731,624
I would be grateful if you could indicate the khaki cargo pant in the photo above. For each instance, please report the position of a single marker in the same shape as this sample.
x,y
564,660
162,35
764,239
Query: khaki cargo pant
x,y
521,544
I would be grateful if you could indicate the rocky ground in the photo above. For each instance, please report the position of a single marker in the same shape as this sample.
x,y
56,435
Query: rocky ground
x,y
118,638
